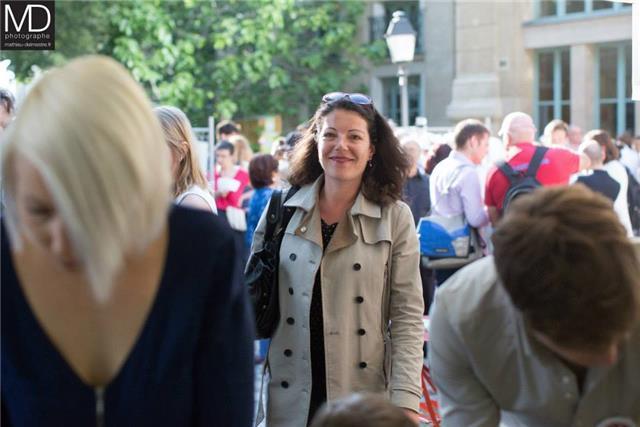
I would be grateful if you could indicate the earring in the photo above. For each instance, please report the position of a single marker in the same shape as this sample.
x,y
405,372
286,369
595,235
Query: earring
x,y
370,163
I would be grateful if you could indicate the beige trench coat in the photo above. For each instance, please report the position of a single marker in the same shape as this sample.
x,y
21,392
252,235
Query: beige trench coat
x,y
373,334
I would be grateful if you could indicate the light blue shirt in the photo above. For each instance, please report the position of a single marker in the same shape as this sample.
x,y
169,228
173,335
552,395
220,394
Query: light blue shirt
x,y
455,188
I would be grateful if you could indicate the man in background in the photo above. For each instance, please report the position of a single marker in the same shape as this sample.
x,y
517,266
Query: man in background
x,y
416,194
454,185
575,137
518,134
226,129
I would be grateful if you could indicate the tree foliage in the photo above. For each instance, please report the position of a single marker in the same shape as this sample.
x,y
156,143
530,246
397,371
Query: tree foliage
x,y
227,58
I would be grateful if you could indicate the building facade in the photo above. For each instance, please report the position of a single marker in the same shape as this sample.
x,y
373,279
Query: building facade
x,y
568,59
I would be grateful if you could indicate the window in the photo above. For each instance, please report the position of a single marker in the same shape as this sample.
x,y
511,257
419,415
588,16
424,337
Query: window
x,y
548,8
560,8
553,87
392,106
378,24
602,4
615,111
575,6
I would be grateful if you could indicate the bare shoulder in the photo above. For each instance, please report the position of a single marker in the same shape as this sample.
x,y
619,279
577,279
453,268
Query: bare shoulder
x,y
196,202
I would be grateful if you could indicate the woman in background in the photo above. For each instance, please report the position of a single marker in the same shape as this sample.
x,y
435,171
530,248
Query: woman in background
x,y
617,171
189,184
105,320
242,150
263,172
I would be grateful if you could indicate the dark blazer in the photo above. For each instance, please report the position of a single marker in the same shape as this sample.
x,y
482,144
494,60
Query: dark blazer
x,y
192,364
600,181
416,194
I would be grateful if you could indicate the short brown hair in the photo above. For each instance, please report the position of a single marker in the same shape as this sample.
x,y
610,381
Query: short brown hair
x,y
604,139
466,129
382,182
567,264
227,127
361,410
261,169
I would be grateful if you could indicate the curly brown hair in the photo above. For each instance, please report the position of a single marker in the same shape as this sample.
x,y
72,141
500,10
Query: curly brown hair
x,y
585,291
382,182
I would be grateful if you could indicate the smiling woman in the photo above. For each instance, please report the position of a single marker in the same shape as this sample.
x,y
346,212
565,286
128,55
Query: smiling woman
x,y
350,292
104,320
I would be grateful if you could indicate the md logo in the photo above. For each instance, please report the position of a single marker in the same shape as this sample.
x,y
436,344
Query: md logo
x,y
27,25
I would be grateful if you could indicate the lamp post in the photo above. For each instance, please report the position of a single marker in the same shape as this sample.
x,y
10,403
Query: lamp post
x,y
401,40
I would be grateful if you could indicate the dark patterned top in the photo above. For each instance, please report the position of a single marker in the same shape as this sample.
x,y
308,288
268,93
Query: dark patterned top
x,y
318,374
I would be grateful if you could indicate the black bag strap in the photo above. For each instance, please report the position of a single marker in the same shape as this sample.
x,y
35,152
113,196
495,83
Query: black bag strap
x,y
536,161
532,169
508,171
275,216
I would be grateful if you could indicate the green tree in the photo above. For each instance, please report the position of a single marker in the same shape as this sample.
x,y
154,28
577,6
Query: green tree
x,y
228,58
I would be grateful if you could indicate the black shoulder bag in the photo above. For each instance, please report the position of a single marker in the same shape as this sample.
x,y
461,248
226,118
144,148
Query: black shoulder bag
x,y
261,272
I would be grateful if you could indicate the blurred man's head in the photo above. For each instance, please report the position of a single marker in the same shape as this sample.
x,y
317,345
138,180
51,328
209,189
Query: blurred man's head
x,y
472,139
594,151
575,136
7,107
517,127
227,129
413,150
568,266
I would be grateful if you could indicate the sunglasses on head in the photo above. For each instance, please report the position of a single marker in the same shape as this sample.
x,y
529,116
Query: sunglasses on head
x,y
356,98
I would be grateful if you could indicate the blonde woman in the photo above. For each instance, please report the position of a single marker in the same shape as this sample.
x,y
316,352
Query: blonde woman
x,y
104,319
189,184
242,151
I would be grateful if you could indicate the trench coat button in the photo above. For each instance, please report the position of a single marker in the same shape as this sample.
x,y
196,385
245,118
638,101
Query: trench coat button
x,y
361,332
288,353
303,229
284,384
359,299
290,291
292,257
290,320
357,266
362,365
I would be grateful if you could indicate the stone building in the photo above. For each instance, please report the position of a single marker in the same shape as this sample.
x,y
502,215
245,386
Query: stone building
x,y
568,59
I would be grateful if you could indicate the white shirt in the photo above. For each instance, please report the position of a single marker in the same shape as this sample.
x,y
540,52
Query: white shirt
x,y
454,187
200,192
631,159
617,171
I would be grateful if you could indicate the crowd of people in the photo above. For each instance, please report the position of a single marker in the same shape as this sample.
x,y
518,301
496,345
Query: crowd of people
x,y
123,301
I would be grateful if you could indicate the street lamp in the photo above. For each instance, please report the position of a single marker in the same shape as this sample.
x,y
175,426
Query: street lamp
x,y
401,40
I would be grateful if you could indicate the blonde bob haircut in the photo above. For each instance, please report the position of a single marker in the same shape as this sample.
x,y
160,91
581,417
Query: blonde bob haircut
x,y
90,131
178,134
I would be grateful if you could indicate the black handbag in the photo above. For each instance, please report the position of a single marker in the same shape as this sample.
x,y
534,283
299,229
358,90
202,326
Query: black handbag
x,y
261,272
